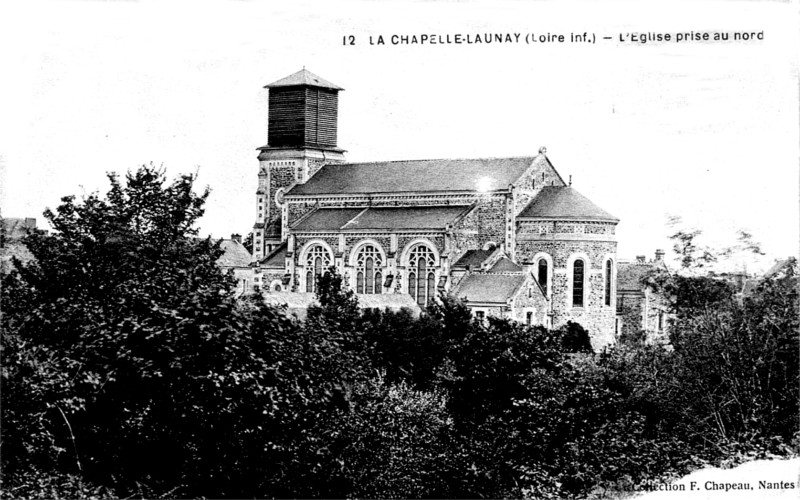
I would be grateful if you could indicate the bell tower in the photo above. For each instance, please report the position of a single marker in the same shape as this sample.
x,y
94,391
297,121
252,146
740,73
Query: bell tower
x,y
303,114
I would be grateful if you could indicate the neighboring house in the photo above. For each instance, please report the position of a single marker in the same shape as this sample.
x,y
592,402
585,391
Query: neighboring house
x,y
12,231
272,270
237,259
493,285
778,270
640,308
419,228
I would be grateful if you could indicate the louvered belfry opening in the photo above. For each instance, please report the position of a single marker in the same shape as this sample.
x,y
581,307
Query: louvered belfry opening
x,y
303,111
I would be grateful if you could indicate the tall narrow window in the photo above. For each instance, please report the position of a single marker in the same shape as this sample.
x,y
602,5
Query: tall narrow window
x,y
317,260
608,282
422,296
370,285
421,275
360,282
529,318
541,275
368,270
577,283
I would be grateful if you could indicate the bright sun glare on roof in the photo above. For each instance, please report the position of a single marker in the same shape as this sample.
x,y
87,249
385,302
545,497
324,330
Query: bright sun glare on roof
x,y
484,184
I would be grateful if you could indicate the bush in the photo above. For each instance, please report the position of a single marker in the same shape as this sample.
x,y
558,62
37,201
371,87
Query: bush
x,y
34,484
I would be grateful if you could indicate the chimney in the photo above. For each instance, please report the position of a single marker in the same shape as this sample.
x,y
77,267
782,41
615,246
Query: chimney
x,y
640,259
236,237
659,255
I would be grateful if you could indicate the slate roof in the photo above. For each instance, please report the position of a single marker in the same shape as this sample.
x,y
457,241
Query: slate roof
x,y
474,258
564,203
277,258
15,227
303,77
505,265
384,218
776,268
491,288
236,255
9,251
630,274
12,231
416,176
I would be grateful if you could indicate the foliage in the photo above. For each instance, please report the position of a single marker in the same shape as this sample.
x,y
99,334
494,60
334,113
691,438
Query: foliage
x,y
247,242
338,306
35,484
395,442
128,364
127,359
738,364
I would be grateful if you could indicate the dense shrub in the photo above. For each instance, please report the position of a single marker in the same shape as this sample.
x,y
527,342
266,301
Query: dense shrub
x,y
130,369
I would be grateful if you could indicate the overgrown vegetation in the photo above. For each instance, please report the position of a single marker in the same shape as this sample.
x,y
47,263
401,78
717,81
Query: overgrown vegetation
x,y
129,369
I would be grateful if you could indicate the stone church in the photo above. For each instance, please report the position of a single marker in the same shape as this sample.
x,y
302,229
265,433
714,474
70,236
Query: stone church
x,y
507,235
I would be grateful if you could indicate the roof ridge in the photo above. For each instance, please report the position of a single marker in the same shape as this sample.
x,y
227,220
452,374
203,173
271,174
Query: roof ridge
x,y
431,159
452,205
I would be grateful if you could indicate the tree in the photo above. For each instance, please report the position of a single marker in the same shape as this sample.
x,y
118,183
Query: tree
x,y
127,359
248,242
338,305
738,364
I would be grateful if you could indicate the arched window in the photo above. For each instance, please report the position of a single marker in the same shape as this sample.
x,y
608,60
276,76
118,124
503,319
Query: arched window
x,y
368,270
577,283
608,282
317,260
541,275
421,277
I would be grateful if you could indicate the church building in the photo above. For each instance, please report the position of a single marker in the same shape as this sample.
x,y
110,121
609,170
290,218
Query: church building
x,y
506,235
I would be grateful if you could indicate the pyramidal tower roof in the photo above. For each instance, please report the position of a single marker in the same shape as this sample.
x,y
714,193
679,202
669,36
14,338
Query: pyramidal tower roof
x,y
303,77
562,202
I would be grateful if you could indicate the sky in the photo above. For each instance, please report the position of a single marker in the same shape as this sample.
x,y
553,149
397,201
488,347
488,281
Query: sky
x,y
708,131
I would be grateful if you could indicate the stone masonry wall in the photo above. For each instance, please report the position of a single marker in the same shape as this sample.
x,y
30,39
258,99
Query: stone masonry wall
x,y
485,223
530,298
561,250
630,308
298,210
595,315
280,176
